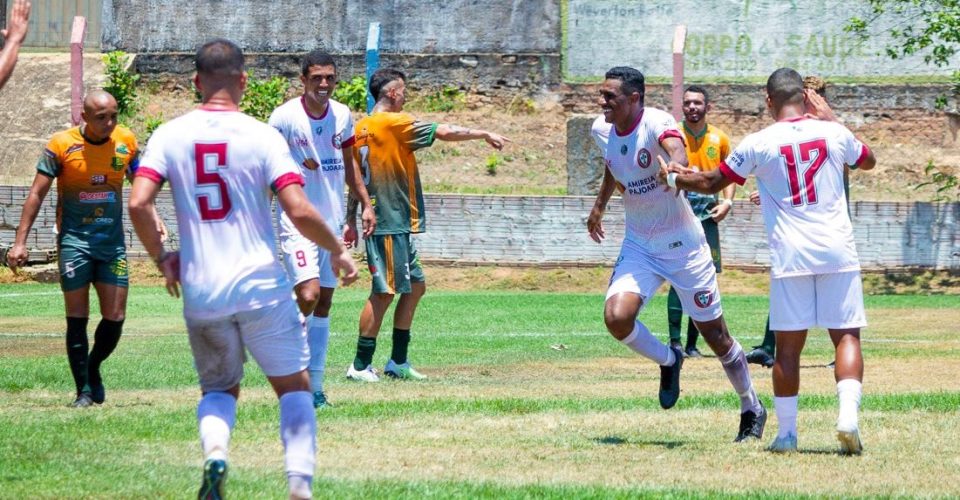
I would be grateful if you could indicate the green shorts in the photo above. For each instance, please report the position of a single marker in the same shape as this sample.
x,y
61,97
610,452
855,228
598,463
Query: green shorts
x,y
80,267
394,263
712,231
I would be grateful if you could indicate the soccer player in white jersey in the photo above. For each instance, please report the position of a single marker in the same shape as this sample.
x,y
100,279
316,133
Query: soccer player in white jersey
x,y
223,168
664,241
319,132
815,271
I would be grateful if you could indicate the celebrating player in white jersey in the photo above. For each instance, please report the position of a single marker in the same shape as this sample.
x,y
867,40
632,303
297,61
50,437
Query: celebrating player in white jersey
x,y
319,132
815,272
663,241
222,166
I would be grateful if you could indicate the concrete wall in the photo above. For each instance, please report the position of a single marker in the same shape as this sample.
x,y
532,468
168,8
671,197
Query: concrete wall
x,y
552,230
731,39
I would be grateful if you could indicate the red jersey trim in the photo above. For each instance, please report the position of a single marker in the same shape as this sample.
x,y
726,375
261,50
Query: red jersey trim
x,y
149,173
730,174
349,142
204,107
672,133
286,180
632,127
303,103
863,155
796,118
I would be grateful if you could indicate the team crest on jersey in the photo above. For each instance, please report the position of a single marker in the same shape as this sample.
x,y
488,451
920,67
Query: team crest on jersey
x,y
712,152
703,299
337,140
643,158
310,164
116,164
623,149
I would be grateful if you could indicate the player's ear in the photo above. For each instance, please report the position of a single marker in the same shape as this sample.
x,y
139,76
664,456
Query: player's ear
x,y
196,82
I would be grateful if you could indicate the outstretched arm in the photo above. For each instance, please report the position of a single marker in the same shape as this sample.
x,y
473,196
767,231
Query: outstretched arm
x,y
447,132
699,182
13,36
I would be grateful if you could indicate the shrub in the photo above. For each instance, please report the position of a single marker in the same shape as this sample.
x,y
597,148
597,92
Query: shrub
x,y
352,93
121,83
263,96
448,98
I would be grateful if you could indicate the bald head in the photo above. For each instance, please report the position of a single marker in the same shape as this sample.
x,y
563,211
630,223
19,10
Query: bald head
x,y
98,99
99,115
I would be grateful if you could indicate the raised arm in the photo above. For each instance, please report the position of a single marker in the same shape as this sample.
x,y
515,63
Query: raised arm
x,y
447,132
817,106
13,36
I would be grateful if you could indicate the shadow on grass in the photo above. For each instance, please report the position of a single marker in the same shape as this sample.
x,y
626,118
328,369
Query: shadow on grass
x,y
617,441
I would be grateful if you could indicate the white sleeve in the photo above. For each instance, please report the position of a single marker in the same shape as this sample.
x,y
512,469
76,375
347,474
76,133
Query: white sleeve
x,y
853,149
740,163
600,131
279,167
154,156
664,126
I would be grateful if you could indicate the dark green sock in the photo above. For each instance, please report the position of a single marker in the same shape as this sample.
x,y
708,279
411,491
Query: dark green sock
x,y
105,340
769,343
77,346
401,341
365,349
674,315
692,334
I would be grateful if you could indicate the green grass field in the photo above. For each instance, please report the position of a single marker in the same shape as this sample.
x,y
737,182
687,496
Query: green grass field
x,y
528,398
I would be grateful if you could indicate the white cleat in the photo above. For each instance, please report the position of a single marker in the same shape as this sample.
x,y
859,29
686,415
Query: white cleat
x,y
368,374
849,441
786,444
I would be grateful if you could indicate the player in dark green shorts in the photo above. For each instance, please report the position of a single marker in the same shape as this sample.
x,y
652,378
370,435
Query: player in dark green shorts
x,y
89,163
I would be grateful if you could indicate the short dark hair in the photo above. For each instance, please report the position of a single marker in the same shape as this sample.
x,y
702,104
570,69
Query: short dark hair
x,y
631,79
696,89
316,57
219,57
785,86
381,77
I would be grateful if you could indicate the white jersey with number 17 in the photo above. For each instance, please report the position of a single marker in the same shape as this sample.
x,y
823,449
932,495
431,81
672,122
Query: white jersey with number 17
x,y
222,167
799,167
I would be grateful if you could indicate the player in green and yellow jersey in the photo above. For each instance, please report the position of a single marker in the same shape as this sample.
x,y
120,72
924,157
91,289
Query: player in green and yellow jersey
x,y
385,145
706,147
89,163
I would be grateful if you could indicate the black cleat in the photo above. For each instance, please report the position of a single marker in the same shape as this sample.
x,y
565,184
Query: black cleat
x,y
760,356
692,352
83,401
214,475
98,394
751,425
670,381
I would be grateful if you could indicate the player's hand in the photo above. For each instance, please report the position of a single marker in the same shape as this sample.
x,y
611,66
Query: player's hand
x,y
720,212
755,198
16,30
162,229
350,235
169,266
817,106
670,168
17,257
368,219
344,266
496,141
595,225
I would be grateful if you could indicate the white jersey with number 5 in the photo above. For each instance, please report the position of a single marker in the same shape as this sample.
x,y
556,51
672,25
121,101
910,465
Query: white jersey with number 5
x,y
799,168
657,221
316,143
222,167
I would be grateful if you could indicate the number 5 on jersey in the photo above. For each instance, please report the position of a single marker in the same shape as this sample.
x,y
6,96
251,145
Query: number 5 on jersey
x,y
801,184
210,158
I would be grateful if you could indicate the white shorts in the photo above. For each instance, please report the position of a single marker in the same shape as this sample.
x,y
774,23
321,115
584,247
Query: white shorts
x,y
832,300
274,335
304,260
693,276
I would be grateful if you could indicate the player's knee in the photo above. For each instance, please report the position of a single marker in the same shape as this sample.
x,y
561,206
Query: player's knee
x,y
618,324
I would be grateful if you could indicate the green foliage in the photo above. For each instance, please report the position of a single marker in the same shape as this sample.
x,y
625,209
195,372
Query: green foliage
x,y
352,93
947,184
121,83
151,123
448,98
493,161
263,96
520,105
928,27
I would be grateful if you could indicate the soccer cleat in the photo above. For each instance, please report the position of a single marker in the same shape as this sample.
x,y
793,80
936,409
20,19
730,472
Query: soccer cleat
x,y
751,425
760,356
320,400
850,441
404,371
786,444
368,374
692,352
83,401
214,475
670,380
98,393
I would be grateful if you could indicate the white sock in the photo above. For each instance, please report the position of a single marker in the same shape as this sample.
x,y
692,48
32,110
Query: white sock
x,y
298,430
216,414
318,335
849,392
735,365
786,415
642,342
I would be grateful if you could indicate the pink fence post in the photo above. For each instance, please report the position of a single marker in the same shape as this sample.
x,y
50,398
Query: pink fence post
x,y
76,68
679,40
